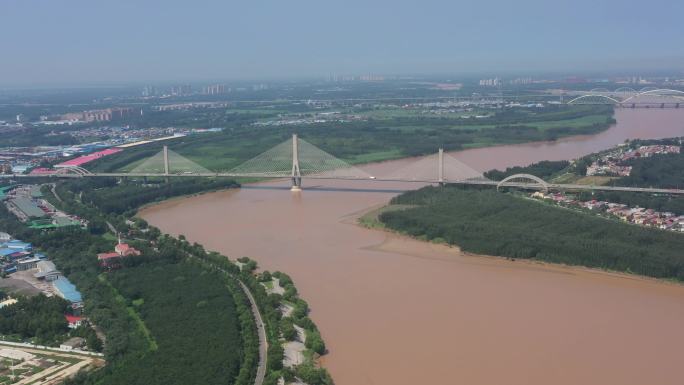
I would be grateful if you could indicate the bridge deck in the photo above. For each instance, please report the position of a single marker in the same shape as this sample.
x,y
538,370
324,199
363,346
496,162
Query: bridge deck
x,y
528,186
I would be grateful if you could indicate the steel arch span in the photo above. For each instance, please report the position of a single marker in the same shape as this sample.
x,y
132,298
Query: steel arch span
x,y
538,182
626,90
580,99
648,89
74,170
658,92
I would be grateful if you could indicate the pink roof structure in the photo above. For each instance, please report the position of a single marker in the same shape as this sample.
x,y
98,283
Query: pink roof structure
x,y
72,319
81,160
43,171
105,256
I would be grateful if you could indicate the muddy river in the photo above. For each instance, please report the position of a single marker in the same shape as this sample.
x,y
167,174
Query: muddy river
x,y
396,311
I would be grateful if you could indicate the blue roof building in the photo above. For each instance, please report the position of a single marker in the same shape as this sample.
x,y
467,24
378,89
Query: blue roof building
x,y
17,245
67,290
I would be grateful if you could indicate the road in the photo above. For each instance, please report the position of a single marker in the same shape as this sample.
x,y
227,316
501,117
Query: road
x,y
261,328
261,331
53,188
529,186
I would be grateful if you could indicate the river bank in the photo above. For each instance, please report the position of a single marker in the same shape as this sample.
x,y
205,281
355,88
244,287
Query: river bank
x,y
401,311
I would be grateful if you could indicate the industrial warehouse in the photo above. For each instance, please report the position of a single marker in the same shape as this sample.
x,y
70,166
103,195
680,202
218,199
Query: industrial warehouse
x,y
23,267
27,203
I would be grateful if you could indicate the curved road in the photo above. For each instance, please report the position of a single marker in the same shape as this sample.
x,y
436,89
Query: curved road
x,y
261,331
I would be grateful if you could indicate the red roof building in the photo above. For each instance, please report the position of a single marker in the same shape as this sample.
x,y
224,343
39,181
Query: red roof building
x,y
112,260
74,321
124,250
109,260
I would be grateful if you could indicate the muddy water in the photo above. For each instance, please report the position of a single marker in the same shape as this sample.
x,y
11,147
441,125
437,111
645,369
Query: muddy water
x,y
632,124
396,311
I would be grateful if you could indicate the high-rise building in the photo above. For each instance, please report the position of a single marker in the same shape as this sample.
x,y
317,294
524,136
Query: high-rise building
x,y
181,90
100,115
214,89
149,91
495,82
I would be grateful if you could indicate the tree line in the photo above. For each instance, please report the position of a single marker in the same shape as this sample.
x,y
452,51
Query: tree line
x,y
487,222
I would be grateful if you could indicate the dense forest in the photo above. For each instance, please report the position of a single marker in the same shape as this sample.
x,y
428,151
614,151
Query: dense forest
x,y
487,222
544,169
664,171
193,320
113,196
39,317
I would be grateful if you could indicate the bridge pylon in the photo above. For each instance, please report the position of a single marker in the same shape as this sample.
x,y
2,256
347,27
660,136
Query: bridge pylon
x,y
296,172
440,167
166,160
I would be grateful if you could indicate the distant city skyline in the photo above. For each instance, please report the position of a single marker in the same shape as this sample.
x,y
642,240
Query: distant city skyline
x,y
81,42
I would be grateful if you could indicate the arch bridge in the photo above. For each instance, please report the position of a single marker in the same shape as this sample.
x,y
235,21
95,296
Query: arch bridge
x,y
523,180
648,97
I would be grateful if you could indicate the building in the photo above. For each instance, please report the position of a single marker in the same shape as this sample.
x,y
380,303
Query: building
x,y
181,90
17,245
74,321
124,250
149,91
20,168
27,263
105,115
112,260
109,260
73,343
17,255
67,290
490,82
28,207
4,237
214,89
46,271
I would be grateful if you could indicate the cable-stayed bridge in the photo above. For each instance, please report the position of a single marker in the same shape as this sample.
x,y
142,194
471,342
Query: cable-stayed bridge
x,y
297,159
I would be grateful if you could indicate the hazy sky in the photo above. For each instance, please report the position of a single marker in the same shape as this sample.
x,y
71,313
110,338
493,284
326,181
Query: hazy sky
x,y
62,41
